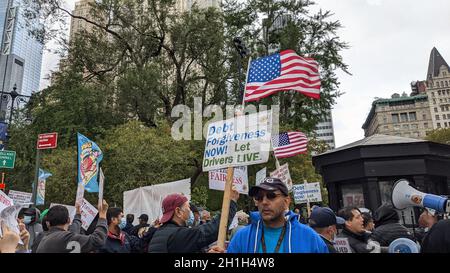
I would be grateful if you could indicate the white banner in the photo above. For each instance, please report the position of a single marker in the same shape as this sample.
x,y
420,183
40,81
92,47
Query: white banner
x,y
260,175
148,199
20,197
88,213
311,193
218,178
283,174
239,141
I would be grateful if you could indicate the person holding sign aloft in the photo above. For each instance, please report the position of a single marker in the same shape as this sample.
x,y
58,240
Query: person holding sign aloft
x,y
174,236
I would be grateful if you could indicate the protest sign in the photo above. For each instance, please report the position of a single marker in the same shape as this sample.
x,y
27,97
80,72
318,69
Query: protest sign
x,y
283,174
101,184
80,194
309,192
9,216
20,197
218,178
5,201
342,245
239,141
260,175
88,213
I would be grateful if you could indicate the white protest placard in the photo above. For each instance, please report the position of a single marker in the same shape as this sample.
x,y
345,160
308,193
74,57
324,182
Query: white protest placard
x,y
20,197
218,178
101,184
80,193
88,213
309,193
239,141
9,216
72,210
260,175
342,245
283,174
5,201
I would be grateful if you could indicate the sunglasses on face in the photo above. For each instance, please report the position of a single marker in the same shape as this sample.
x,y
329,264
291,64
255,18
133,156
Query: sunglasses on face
x,y
269,195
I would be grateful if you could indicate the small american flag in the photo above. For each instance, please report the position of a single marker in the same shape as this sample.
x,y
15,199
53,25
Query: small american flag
x,y
289,144
281,72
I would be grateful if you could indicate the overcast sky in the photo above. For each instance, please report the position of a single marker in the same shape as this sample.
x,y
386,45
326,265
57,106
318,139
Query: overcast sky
x,y
390,43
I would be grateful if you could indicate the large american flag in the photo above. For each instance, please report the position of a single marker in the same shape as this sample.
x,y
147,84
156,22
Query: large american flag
x,y
282,71
289,144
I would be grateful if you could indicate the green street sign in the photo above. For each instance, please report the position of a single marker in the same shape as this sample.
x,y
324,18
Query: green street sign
x,y
7,159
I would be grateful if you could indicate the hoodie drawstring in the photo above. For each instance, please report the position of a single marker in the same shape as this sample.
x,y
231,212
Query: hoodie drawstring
x,y
256,238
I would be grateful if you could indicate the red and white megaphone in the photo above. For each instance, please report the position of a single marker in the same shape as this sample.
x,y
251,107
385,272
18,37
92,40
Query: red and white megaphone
x,y
403,196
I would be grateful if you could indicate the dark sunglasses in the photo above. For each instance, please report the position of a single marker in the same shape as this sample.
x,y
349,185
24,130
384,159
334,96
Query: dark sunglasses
x,y
269,195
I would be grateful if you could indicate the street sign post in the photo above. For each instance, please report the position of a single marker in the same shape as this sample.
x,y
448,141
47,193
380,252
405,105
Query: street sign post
x,y
7,159
45,141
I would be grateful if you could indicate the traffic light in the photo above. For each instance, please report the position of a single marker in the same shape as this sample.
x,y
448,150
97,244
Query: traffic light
x,y
240,47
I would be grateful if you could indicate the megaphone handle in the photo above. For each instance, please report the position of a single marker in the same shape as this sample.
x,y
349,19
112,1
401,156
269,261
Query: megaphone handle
x,y
413,223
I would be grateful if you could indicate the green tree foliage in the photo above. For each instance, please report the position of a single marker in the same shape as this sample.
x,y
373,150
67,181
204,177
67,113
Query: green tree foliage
x,y
121,80
439,136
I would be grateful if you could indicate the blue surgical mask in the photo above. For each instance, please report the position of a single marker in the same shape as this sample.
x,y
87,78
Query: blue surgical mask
x,y
123,223
190,221
27,219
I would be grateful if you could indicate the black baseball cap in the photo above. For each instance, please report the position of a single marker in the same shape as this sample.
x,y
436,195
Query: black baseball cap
x,y
269,184
324,217
143,217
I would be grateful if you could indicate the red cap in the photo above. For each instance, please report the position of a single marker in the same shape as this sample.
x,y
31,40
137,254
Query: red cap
x,y
170,203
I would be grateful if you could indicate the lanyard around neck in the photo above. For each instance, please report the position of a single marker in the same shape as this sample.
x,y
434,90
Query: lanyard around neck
x,y
280,239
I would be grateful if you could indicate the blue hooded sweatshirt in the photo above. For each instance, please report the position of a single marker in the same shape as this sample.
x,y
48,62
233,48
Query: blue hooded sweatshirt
x,y
299,238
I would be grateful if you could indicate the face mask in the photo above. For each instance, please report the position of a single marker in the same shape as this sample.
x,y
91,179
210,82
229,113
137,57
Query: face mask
x,y
123,223
27,219
190,221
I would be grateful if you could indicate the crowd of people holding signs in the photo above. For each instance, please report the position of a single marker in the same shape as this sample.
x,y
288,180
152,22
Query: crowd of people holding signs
x,y
231,145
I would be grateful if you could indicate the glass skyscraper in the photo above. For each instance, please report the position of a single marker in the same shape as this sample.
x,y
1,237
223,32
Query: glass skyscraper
x,y
20,55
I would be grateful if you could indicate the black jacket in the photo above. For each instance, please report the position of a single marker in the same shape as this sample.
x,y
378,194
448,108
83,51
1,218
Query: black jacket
x,y
171,238
330,245
130,244
387,226
57,240
437,240
75,228
358,242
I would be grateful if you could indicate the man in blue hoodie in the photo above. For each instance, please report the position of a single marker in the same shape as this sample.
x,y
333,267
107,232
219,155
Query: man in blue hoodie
x,y
274,228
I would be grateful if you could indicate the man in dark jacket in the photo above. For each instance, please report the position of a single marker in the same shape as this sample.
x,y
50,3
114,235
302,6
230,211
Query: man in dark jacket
x,y
141,228
174,236
31,221
324,222
75,227
437,240
354,231
60,240
129,226
118,241
388,227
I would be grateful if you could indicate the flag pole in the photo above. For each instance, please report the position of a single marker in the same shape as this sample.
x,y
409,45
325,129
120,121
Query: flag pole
x,y
246,79
277,163
221,238
308,206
